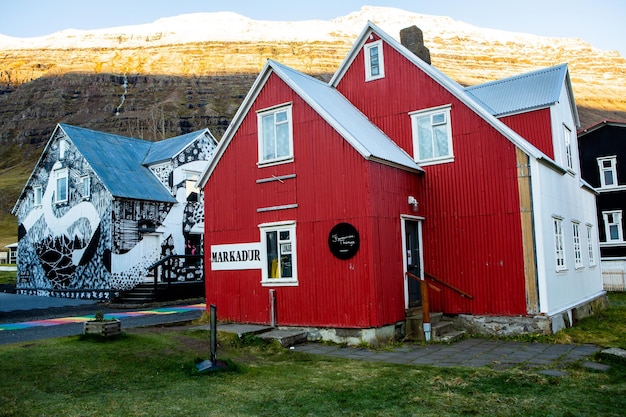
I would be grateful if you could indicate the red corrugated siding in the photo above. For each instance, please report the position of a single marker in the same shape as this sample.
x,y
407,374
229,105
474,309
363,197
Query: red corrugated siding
x,y
333,183
472,229
534,126
387,101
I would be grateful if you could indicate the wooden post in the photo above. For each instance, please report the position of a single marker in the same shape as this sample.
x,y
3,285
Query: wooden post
x,y
272,308
425,309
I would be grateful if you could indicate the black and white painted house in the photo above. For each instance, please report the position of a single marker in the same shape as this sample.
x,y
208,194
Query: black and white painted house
x,y
100,209
602,149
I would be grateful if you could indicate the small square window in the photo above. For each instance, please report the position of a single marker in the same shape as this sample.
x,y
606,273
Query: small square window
x,y
275,135
374,61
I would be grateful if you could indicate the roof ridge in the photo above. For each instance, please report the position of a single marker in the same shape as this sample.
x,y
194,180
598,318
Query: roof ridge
x,y
99,132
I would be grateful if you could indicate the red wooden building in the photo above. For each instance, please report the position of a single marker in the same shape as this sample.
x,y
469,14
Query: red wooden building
x,y
322,196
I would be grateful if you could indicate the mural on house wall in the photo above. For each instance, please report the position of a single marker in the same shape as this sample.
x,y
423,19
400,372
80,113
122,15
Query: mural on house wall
x,y
63,243
77,239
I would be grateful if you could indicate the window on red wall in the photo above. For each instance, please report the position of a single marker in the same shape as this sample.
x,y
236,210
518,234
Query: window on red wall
x,y
278,243
432,135
374,61
275,135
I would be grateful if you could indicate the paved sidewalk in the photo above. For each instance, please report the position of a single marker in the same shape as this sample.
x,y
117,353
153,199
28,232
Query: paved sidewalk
x,y
62,317
468,353
23,324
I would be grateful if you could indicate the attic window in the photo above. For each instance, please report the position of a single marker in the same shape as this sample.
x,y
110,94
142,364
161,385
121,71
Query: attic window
x,y
275,135
62,148
567,142
608,171
374,61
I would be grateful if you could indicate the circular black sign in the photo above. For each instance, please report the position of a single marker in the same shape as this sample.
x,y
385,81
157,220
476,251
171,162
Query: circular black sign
x,y
343,241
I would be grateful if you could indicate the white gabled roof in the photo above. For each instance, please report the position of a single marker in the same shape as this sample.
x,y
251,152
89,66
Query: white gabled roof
x,y
334,108
449,84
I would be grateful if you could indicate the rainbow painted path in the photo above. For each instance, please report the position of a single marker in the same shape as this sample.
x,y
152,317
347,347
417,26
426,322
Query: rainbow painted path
x,y
80,319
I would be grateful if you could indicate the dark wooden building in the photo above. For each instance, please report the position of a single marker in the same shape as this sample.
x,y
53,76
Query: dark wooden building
x,y
603,165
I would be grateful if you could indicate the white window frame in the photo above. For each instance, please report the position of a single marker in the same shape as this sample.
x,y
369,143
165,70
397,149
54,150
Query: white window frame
x,y
432,113
578,253
591,252
612,169
617,222
286,247
559,244
367,48
86,189
285,108
61,174
62,148
567,141
38,195
191,180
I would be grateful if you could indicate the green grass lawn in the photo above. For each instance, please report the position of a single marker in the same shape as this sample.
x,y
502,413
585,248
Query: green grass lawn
x,y
606,329
151,372
8,277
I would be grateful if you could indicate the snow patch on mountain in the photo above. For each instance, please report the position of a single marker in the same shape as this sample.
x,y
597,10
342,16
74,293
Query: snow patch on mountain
x,y
233,27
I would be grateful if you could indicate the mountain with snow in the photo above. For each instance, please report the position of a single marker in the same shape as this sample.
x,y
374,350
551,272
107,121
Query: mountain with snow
x,y
228,43
233,27
189,72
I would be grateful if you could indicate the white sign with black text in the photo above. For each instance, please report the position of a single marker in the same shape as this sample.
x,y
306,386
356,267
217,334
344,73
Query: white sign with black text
x,y
236,256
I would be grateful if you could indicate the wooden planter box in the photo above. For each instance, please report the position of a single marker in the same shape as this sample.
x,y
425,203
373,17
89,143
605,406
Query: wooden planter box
x,y
106,328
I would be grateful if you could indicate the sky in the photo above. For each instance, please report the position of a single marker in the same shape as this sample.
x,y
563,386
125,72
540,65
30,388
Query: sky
x,y
598,22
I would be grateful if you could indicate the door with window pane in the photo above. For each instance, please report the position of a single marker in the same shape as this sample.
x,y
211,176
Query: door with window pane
x,y
412,257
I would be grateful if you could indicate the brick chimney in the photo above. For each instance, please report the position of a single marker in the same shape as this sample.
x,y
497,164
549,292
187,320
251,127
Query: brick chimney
x,y
413,39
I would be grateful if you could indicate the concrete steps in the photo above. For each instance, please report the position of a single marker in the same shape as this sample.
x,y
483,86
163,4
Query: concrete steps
x,y
441,329
145,293
286,337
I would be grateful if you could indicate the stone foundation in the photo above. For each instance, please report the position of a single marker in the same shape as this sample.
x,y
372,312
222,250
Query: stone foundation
x,y
354,337
513,325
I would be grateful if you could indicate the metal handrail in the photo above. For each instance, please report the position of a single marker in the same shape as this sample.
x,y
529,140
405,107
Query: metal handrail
x,y
167,260
452,287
